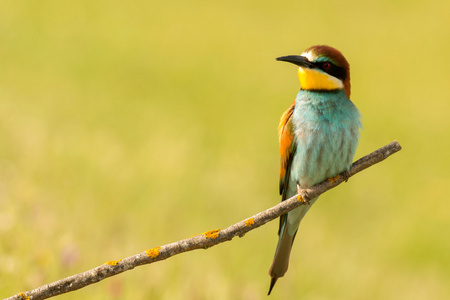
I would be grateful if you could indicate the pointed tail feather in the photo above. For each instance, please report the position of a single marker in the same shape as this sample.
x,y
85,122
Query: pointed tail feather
x,y
289,224
281,259
272,284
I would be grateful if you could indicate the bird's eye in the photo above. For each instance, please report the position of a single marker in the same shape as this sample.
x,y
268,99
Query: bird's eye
x,y
326,65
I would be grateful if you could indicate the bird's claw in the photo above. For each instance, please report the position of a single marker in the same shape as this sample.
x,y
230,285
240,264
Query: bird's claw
x,y
345,175
302,195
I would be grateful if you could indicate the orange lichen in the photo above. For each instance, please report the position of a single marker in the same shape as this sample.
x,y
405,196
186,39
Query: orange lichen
x,y
333,179
301,199
153,253
212,234
112,262
22,295
249,222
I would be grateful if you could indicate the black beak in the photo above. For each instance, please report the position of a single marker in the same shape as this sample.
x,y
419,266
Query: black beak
x,y
298,60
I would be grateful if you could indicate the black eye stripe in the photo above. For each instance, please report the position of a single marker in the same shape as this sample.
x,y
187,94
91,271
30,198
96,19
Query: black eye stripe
x,y
333,70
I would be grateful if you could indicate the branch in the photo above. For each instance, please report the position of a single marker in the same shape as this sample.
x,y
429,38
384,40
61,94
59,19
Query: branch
x,y
203,240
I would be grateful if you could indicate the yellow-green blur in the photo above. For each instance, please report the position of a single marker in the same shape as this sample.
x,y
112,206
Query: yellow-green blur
x,y
128,125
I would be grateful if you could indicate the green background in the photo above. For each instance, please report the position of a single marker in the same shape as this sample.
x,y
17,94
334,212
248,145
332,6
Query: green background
x,y
128,125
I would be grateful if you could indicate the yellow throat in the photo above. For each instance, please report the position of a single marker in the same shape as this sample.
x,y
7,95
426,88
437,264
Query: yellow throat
x,y
313,79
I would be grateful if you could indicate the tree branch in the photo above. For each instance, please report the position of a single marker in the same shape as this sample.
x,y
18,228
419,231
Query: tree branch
x,y
203,240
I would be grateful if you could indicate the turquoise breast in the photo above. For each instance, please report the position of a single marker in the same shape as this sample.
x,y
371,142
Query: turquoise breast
x,y
326,131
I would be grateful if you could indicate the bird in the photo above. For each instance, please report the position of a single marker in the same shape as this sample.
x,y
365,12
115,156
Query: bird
x,y
318,136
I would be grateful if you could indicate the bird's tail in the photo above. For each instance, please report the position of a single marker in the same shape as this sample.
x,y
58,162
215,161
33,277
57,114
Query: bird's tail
x,y
280,261
289,224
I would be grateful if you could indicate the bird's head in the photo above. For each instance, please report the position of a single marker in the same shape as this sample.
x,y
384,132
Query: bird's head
x,y
321,68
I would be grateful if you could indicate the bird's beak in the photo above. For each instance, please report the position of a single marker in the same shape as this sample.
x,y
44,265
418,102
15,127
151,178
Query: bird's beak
x,y
298,60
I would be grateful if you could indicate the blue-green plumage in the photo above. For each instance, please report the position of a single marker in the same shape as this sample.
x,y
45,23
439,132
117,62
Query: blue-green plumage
x,y
321,134
326,130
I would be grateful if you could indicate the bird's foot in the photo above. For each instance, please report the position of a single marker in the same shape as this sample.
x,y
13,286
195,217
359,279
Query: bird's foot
x,y
302,195
345,175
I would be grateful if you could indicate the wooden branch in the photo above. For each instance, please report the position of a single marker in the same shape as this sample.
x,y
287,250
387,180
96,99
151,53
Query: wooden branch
x,y
203,240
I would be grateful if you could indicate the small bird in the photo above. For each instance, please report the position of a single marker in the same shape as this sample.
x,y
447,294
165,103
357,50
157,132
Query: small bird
x,y
318,137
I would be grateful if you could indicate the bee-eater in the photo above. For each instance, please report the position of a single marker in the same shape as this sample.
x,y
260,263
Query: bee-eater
x,y
318,137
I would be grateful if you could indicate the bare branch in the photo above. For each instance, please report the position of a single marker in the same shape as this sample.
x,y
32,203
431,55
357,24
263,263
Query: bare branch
x,y
203,240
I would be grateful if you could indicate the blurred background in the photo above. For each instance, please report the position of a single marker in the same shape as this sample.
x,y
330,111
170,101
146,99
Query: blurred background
x,y
129,125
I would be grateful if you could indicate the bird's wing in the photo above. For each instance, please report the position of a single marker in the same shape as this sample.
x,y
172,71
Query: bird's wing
x,y
287,148
287,151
